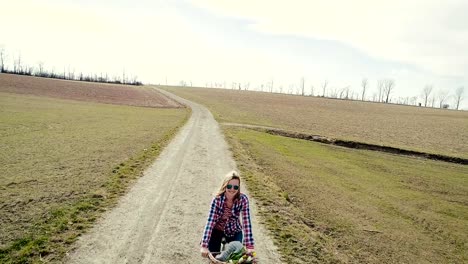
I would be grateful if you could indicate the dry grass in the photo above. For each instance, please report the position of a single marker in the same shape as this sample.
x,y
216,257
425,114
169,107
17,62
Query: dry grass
x,y
422,129
64,161
327,204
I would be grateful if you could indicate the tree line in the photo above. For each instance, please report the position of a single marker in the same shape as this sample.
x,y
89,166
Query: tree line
x,y
18,66
383,92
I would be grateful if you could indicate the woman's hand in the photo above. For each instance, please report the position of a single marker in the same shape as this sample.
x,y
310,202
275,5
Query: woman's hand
x,y
250,250
204,252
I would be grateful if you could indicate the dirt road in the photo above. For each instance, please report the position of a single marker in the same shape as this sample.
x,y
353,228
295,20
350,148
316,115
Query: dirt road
x,y
161,219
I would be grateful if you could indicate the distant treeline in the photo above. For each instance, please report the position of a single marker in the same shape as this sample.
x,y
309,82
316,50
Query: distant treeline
x,y
384,92
20,68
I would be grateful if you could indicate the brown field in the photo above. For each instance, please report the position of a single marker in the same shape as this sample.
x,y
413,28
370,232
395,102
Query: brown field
x,y
414,128
85,91
65,161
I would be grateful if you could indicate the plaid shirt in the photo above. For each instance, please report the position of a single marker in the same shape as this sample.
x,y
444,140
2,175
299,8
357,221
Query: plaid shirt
x,y
233,225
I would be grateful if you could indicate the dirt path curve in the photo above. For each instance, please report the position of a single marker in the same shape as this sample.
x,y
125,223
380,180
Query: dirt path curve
x,y
162,217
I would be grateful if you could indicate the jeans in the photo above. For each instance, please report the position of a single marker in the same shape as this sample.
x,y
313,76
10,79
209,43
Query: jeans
x,y
216,237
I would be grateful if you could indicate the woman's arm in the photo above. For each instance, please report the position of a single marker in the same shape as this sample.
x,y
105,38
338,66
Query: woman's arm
x,y
246,223
209,224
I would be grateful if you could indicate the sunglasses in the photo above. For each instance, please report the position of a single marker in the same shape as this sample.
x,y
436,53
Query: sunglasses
x,y
230,186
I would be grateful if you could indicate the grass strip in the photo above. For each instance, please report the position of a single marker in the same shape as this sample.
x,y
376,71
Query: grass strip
x,y
328,204
354,144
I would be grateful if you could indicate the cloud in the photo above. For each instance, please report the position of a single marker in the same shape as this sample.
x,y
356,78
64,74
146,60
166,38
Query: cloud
x,y
430,34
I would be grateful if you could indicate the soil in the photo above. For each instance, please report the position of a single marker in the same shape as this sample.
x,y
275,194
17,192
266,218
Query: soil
x,y
161,219
85,91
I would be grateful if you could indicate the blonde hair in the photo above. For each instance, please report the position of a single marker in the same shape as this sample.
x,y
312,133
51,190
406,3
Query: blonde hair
x,y
232,175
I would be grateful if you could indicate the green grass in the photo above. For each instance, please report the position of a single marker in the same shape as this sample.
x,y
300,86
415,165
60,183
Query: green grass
x,y
327,204
64,162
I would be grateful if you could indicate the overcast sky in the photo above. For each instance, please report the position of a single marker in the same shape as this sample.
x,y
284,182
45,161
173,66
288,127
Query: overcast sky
x,y
414,42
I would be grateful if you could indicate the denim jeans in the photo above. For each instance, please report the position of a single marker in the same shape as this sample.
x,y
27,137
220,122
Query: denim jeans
x,y
216,237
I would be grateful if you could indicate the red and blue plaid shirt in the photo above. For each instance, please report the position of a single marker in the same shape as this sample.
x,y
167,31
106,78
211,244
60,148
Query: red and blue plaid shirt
x,y
233,224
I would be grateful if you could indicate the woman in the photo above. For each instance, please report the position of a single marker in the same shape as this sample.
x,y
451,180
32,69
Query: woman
x,y
224,218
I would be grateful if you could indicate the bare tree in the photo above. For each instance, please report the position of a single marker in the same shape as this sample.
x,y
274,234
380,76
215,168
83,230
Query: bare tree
x,y
426,93
347,92
29,70
406,100
302,86
298,90
389,85
17,65
52,73
246,86
71,75
364,83
344,93
380,85
2,60
40,66
442,96
334,92
324,87
311,90
459,95
20,63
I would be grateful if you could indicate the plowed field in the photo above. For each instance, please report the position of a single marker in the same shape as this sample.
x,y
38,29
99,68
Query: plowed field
x,y
85,91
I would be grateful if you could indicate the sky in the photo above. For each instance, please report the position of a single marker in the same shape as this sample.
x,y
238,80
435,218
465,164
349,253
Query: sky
x,y
255,42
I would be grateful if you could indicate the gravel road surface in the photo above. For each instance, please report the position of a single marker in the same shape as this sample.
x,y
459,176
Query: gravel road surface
x,y
162,217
